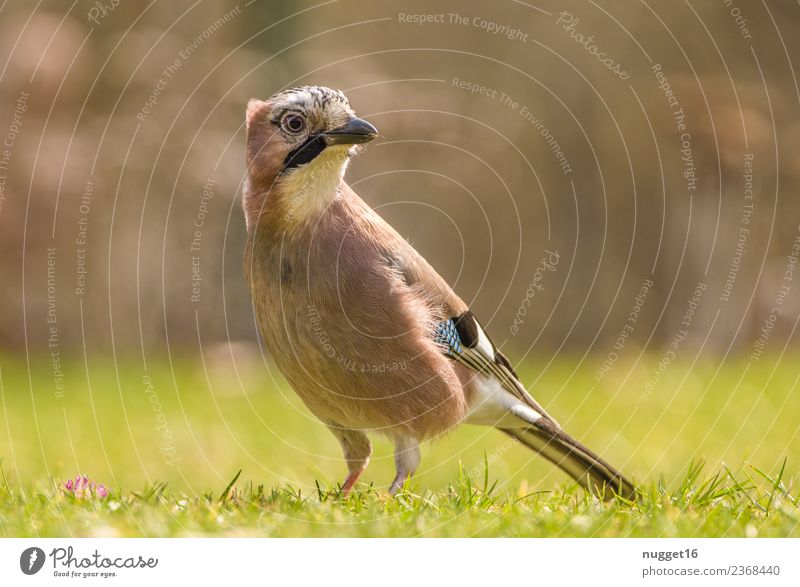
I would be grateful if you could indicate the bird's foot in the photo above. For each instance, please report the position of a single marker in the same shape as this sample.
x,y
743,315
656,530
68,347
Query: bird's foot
x,y
398,482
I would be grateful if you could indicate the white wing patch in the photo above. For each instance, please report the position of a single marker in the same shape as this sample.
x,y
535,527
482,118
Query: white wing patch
x,y
484,344
492,405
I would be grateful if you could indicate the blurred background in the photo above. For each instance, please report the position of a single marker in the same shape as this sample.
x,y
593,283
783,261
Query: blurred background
x,y
613,189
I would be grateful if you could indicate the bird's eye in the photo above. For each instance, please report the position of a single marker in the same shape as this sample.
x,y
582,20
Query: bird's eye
x,y
294,123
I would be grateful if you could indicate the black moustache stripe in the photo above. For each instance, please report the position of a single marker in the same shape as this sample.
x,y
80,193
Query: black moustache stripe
x,y
305,153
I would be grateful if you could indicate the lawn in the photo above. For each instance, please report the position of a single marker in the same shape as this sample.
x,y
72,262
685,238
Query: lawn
x,y
714,449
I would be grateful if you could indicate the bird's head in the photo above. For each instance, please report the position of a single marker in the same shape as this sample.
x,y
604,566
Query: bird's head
x,y
301,130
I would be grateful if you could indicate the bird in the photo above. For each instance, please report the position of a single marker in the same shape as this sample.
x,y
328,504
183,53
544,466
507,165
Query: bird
x,y
370,337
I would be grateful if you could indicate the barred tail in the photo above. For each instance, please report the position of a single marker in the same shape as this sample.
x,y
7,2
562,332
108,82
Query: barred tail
x,y
588,469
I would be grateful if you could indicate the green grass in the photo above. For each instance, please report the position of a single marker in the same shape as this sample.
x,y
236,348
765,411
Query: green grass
x,y
169,452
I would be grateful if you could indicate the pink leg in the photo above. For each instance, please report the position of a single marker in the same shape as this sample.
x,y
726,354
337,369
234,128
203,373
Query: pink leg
x,y
350,482
357,450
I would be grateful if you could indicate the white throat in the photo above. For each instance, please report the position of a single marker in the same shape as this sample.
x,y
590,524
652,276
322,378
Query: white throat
x,y
311,187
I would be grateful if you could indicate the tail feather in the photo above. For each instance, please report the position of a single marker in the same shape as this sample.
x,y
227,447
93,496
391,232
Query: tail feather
x,y
573,458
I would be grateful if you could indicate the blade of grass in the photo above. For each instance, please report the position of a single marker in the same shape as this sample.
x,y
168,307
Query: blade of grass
x,y
224,495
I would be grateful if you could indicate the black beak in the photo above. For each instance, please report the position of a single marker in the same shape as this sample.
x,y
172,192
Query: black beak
x,y
354,132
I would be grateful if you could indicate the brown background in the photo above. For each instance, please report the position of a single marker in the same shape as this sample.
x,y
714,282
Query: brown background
x,y
472,184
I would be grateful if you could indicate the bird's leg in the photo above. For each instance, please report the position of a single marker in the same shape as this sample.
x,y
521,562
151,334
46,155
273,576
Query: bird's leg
x,y
350,481
406,458
357,449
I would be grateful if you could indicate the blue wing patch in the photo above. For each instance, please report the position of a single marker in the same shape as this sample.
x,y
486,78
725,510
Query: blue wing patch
x,y
446,335
459,339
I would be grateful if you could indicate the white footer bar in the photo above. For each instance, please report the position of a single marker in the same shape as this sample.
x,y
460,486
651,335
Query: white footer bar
x,y
400,562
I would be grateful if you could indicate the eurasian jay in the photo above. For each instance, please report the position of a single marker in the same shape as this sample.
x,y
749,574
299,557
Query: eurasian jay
x,y
367,333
